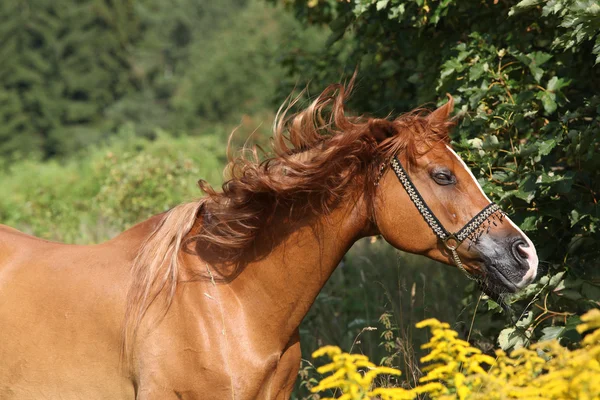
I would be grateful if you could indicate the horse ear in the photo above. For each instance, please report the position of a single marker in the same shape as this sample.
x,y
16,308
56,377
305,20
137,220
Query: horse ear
x,y
443,112
382,129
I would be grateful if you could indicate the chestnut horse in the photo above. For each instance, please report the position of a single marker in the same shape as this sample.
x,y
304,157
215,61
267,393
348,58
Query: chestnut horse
x,y
204,301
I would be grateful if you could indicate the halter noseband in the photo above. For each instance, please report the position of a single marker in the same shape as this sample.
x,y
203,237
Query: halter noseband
x,y
451,240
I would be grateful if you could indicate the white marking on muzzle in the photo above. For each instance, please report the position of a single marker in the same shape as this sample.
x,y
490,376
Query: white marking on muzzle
x,y
532,257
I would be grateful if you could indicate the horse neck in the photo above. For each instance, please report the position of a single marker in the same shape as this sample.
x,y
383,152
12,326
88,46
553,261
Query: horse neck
x,y
284,284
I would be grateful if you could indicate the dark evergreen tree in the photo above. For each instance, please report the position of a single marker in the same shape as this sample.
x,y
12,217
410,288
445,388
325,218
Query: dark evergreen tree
x,y
170,32
72,72
63,63
240,69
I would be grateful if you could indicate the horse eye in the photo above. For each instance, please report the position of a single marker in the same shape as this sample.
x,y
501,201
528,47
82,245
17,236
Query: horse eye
x,y
443,177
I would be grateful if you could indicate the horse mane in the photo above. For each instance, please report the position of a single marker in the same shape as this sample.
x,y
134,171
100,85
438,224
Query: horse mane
x,y
316,156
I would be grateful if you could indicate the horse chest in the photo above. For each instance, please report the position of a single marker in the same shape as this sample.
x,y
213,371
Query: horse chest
x,y
195,353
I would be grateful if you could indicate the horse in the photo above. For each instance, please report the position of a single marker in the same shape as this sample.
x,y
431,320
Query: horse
x,y
204,301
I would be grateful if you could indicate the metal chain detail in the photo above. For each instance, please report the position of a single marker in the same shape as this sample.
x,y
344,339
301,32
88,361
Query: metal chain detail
x,y
460,265
479,219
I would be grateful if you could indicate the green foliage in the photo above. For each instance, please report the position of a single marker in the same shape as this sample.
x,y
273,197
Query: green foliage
x,y
137,184
105,190
525,79
580,20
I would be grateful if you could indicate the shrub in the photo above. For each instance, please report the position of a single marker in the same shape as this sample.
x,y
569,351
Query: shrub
x,y
102,191
456,370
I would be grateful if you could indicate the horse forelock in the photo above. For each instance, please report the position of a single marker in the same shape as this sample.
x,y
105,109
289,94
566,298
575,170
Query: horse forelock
x,y
317,154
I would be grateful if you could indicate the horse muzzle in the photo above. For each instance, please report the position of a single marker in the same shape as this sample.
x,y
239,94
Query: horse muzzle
x,y
509,263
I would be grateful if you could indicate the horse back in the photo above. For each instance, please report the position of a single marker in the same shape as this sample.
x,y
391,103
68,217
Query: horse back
x,y
60,317
10,241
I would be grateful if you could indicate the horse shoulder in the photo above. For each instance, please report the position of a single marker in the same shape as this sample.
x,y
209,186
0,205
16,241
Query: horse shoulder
x,y
207,346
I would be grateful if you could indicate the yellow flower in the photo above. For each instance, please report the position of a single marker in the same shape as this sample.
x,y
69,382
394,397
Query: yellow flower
x,y
327,350
433,323
455,370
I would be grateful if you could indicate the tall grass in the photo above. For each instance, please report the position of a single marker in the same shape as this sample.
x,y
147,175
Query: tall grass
x,y
372,303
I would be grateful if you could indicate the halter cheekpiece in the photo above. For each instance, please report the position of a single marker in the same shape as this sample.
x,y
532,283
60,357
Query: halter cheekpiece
x,y
472,229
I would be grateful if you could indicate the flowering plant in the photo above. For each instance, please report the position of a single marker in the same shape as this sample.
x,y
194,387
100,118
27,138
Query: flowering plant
x,y
456,370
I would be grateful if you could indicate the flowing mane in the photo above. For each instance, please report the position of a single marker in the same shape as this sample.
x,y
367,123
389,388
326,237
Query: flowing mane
x,y
317,155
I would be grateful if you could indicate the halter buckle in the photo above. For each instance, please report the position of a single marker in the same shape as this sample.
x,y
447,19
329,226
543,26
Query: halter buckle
x,y
451,242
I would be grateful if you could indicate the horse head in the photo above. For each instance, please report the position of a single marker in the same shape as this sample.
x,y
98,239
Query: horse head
x,y
428,202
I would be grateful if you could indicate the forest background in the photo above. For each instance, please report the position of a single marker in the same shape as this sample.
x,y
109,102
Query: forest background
x,y
110,111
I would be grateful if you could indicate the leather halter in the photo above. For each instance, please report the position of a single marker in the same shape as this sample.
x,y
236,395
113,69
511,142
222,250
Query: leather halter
x,y
450,240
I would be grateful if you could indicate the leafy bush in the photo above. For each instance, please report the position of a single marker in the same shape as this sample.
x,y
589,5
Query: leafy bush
x,y
101,192
456,370
526,81
137,184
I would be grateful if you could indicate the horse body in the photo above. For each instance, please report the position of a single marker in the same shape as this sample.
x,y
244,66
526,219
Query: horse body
x,y
153,313
237,341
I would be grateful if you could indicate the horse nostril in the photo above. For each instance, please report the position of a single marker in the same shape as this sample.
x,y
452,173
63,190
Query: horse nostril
x,y
518,250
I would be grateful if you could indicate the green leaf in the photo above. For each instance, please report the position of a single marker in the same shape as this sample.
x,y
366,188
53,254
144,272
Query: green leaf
x,y
555,84
475,143
381,4
572,322
490,142
534,61
548,101
523,5
570,294
551,332
526,321
529,223
555,279
591,291
546,147
512,338
476,71
523,195
576,217
397,11
492,305
539,58
536,71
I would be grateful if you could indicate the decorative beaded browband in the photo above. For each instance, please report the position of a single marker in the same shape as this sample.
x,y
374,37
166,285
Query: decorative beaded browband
x,y
473,228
